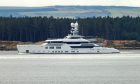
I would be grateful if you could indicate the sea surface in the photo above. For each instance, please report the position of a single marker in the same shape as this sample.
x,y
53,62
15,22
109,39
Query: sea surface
x,y
123,68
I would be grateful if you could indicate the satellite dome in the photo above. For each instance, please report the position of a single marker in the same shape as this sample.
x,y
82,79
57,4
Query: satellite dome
x,y
72,25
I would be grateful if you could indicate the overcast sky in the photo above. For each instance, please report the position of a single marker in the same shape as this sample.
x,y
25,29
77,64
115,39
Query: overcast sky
x,y
33,3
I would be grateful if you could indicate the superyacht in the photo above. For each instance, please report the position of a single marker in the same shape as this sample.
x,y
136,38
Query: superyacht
x,y
73,43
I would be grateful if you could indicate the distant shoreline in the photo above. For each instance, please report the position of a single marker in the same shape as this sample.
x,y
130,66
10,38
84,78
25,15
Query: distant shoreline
x,y
12,45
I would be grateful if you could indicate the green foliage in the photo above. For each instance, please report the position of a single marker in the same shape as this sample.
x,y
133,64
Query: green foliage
x,y
42,28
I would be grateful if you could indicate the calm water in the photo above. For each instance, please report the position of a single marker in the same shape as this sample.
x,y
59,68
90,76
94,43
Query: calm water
x,y
123,68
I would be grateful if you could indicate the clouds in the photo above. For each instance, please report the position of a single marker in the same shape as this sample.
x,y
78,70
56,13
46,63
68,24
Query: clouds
x,y
69,2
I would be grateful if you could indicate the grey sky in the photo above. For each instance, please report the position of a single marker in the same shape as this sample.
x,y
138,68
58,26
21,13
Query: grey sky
x,y
69,2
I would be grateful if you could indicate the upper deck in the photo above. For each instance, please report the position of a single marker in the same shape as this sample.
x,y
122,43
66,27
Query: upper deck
x,y
73,37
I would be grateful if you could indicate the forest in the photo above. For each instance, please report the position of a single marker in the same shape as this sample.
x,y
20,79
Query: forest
x,y
35,29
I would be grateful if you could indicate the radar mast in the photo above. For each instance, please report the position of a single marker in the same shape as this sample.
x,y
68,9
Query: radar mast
x,y
74,29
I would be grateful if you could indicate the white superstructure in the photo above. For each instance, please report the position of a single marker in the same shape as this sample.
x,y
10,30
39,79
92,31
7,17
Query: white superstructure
x,y
73,43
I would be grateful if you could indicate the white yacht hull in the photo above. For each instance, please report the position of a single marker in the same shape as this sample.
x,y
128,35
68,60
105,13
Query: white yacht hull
x,y
65,49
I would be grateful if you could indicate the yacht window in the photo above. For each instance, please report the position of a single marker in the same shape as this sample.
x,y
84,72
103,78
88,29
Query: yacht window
x,y
58,47
81,46
46,47
57,42
54,41
27,51
75,42
74,37
73,51
51,47
49,41
66,51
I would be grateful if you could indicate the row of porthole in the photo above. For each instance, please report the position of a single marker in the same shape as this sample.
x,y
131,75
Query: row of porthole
x,y
57,51
63,51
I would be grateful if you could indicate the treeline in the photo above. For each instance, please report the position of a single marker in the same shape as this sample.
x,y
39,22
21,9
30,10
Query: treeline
x,y
42,28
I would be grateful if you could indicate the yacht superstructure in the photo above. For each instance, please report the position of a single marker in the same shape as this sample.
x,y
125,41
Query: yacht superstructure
x,y
73,43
